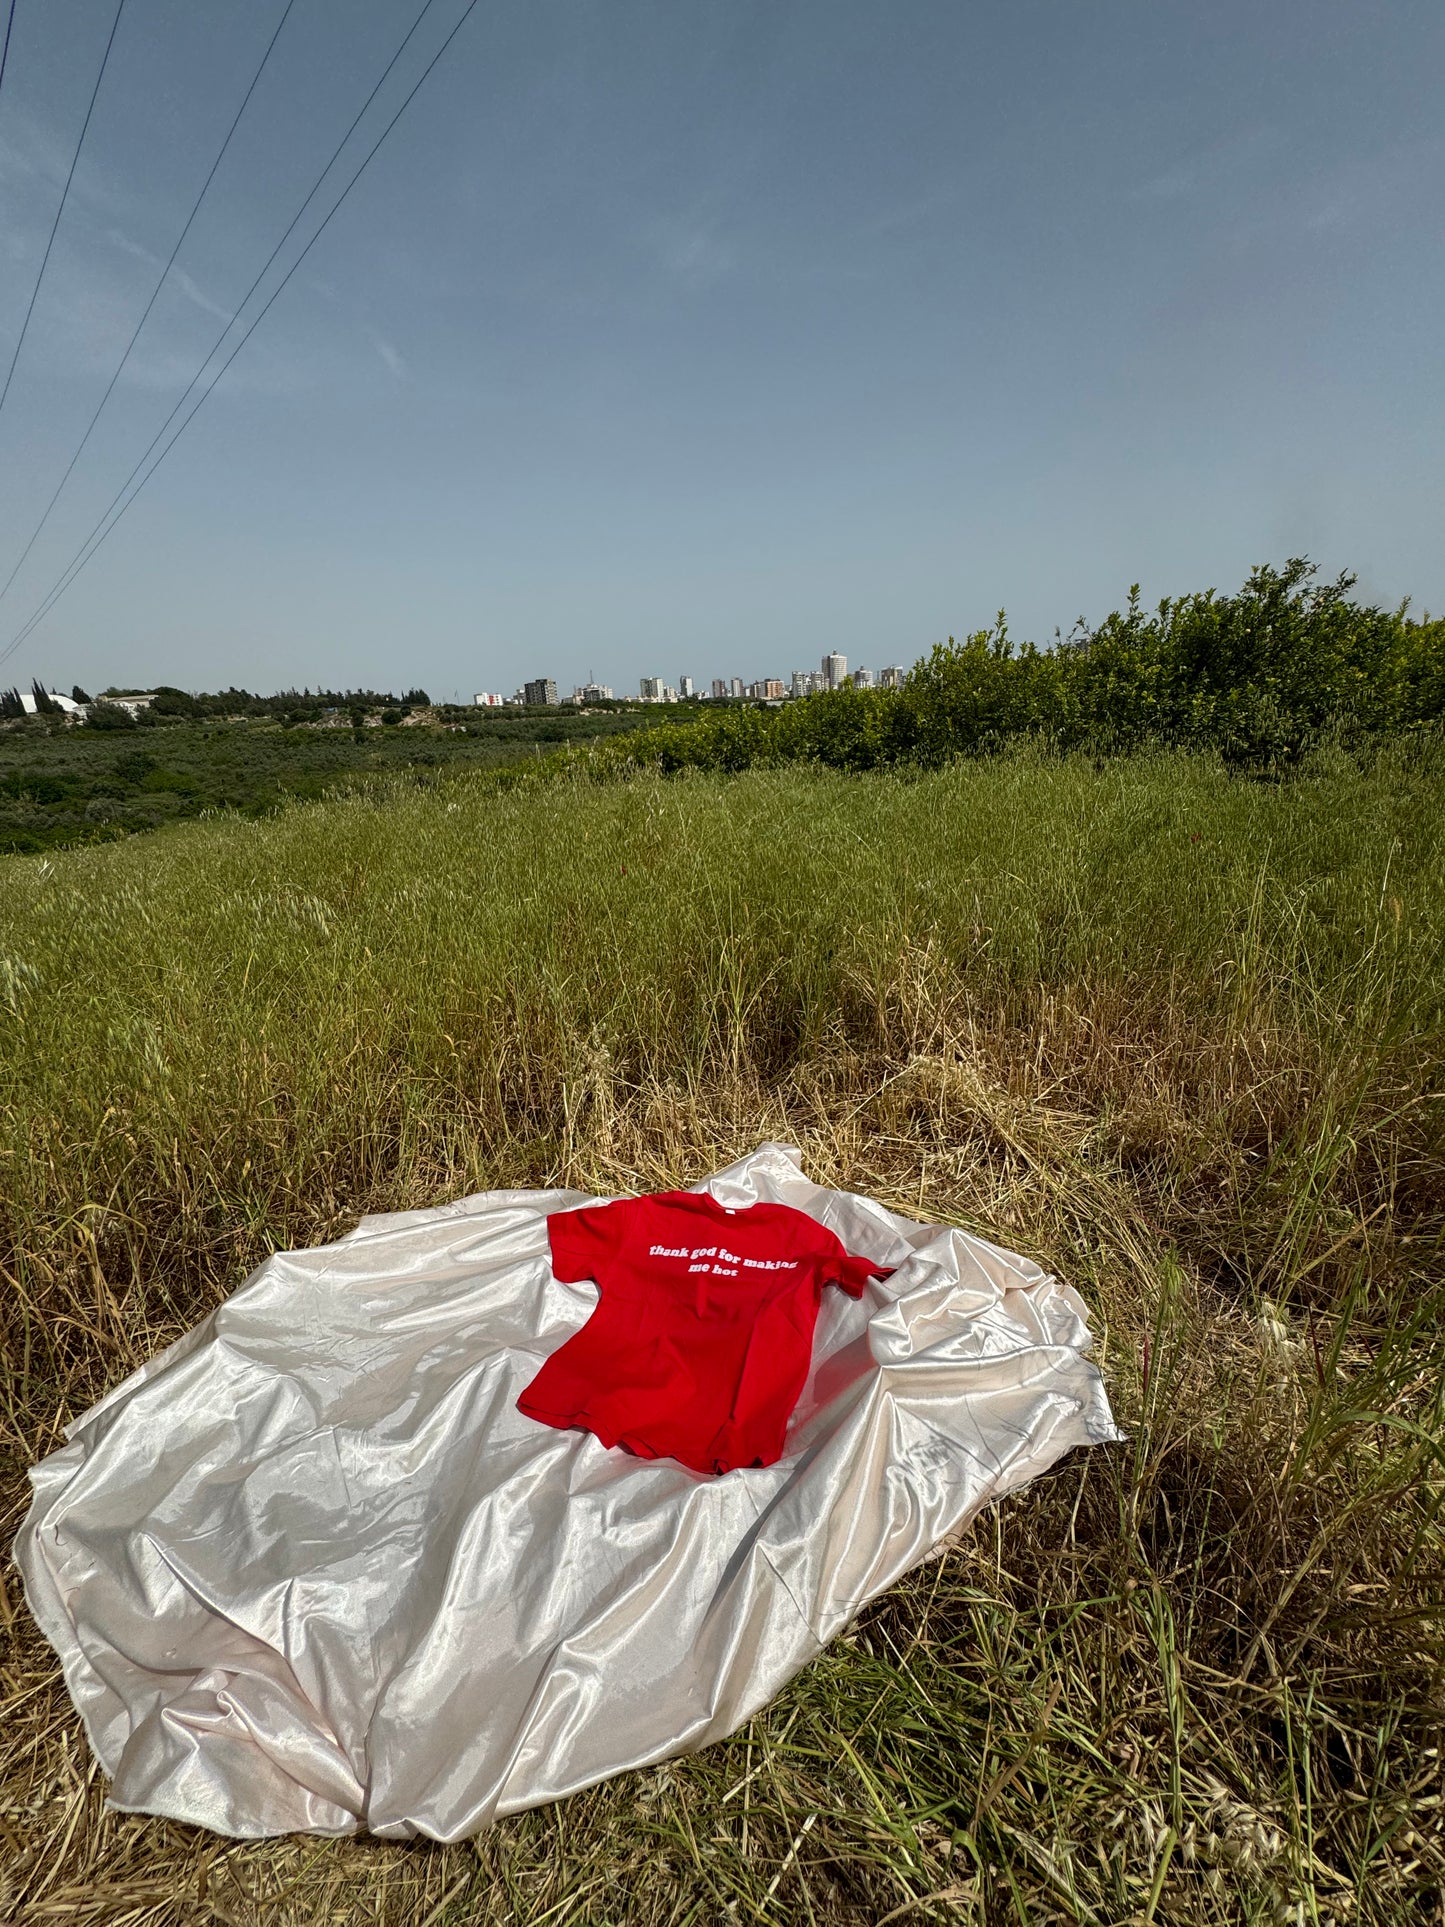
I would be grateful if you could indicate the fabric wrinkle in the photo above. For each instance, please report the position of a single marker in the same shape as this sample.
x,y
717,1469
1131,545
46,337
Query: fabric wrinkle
x,y
311,1568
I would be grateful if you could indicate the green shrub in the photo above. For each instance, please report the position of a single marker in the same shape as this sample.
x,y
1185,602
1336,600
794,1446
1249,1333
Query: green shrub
x,y
106,715
1259,678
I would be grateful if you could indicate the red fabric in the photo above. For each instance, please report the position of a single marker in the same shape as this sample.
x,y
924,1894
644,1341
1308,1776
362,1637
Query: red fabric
x,y
702,1339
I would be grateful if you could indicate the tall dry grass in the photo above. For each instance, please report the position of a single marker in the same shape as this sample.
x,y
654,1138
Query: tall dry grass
x,y
1178,1036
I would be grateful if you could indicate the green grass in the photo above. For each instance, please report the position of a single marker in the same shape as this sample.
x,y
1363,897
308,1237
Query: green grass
x,y
61,786
1180,1036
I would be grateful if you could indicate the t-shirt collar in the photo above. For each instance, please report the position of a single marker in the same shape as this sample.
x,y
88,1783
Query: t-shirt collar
x,y
721,1209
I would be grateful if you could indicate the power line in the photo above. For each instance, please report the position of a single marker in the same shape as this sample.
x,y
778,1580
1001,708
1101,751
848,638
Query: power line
x,y
155,296
99,533
5,50
80,558
85,124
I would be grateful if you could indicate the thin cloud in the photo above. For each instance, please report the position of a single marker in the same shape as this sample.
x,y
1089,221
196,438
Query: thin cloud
x,y
177,277
389,356
35,160
1219,164
692,252
1359,192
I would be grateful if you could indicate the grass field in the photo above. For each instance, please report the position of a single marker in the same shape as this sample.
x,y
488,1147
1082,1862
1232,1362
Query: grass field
x,y
1179,1036
63,786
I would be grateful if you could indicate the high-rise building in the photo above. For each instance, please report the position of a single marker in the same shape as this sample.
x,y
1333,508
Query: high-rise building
x,y
835,670
684,687
650,689
862,678
891,677
482,700
735,687
592,692
542,690
773,690
719,688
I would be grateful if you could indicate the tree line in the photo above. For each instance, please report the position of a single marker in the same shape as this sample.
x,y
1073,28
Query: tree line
x,y
170,705
1259,678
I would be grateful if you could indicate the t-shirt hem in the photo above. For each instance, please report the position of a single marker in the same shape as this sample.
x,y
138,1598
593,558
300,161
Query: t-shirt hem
x,y
583,1421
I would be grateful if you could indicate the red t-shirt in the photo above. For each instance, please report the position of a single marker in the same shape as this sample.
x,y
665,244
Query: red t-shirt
x,y
704,1333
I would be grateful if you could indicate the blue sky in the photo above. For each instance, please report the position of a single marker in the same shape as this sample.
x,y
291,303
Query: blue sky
x,y
681,338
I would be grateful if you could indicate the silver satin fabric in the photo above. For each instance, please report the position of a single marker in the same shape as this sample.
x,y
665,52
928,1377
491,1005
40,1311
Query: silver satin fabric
x,y
311,1568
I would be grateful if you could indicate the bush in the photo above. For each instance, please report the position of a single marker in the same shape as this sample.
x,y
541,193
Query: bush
x,y
107,715
1259,678
175,702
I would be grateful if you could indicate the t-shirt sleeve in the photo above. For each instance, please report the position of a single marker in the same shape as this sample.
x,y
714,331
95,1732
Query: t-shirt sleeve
x,y
852,1273
583,1241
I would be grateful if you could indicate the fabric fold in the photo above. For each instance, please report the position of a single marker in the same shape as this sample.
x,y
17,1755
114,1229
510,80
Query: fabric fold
x,y
311,1569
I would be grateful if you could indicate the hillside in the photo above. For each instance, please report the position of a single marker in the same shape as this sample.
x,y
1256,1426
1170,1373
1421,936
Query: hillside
x,y
1178,1035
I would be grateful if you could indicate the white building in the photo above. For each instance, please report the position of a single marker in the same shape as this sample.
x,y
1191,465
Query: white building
x,y
862,678
67,705
484,700
650,689
685,689
735,687
835,670
892,676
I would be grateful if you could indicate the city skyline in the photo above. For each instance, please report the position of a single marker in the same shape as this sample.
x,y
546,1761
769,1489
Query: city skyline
x,y
832,673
